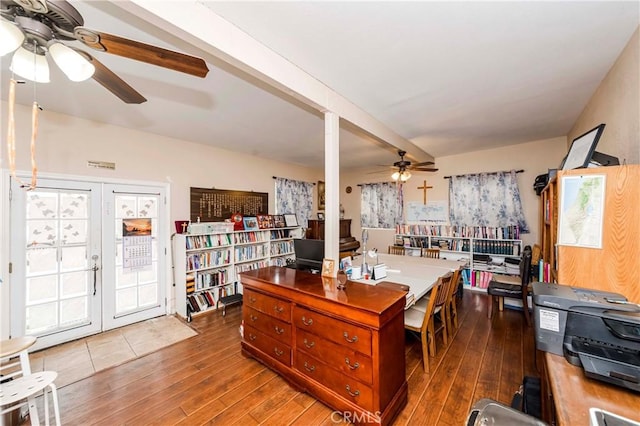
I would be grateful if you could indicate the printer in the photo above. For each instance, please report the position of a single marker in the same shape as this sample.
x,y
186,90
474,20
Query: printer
x,y
597,330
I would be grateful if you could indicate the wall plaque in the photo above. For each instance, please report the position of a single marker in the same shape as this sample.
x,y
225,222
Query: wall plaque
x,y
216,205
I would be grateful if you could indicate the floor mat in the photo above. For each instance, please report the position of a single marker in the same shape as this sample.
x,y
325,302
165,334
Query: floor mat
x,y
81,358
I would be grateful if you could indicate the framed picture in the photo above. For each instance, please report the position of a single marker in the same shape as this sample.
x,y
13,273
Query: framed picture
x,y
279,221
320,215
320,195
290,220
327,267
263,221
250,223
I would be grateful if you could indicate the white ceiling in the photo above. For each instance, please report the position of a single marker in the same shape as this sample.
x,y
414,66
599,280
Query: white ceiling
x,y
451,77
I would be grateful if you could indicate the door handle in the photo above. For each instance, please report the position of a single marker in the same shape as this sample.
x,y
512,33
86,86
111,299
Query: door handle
x,y
95,272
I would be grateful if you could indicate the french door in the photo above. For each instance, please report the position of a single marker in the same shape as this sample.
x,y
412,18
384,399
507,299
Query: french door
x,y
69,277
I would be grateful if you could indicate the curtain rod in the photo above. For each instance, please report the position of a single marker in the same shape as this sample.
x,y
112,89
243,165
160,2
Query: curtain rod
x,y
276,177
491,173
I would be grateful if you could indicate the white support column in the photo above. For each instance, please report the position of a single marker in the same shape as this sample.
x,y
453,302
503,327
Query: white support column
x,y
332,183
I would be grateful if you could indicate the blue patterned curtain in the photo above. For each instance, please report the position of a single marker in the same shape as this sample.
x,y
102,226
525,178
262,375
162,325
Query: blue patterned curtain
x,y
294,196
381,205
486,199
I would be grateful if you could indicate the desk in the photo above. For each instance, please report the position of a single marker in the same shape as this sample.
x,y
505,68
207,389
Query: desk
x,y
419,273
573,394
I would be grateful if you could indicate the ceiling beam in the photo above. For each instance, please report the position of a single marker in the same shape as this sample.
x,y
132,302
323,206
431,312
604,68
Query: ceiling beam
x,y
195,23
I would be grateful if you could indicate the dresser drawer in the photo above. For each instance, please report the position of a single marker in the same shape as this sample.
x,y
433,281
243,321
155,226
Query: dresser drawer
x,y
351,336
272,347
269,305
345,386
267,324
347,361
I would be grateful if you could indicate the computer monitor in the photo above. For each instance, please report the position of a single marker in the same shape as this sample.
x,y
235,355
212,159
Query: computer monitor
x,y
309,253
582,149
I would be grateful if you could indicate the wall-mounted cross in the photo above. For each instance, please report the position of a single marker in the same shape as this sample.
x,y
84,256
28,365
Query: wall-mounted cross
x,y
424,188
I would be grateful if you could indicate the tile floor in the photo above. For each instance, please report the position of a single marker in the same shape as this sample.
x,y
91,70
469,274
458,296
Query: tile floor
x,y
81,358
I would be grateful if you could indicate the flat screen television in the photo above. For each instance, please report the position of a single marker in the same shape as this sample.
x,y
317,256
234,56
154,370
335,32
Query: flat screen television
x,y
309,253
582,149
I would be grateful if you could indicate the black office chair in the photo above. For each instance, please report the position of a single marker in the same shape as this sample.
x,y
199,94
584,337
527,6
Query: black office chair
x,y
515,287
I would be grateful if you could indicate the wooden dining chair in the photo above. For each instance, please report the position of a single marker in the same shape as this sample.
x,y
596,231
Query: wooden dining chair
x,y
427,323
399,250
451,306
433,253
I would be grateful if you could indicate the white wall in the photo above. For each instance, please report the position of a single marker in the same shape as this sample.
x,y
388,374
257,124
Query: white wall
x,y
534,158
66,143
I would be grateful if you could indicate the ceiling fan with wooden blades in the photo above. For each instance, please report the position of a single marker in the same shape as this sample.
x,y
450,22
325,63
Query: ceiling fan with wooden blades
x,y
38,28
404,167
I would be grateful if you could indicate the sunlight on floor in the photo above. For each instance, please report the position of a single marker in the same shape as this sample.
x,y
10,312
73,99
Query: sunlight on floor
x,y
81,358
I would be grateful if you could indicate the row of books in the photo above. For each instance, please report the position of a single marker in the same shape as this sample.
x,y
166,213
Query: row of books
x,y
251,266
476,278
509,248
207,241
250,252
208,259
279,234
544,272
250,237
207,299
211,279
486,232
281,247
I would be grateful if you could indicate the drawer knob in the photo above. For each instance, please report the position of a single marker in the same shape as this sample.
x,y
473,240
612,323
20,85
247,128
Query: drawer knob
x,y
253,318
354,366
252,336
307,322
279,330
278,309
252,299
278,351
310,369
356,393
350,340
309,345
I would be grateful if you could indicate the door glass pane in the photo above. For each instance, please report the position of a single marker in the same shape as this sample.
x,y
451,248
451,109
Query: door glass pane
x,y
148,294
41,318
73,311
74,258
41,261
74,284
56,274
42,289
41,232
73,231
136,287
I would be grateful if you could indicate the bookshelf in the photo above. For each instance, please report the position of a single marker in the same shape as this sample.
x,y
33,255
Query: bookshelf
x,y
487,249
549,229
206,266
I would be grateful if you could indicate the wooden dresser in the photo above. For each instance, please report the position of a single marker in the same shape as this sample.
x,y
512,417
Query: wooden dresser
x,y
346,348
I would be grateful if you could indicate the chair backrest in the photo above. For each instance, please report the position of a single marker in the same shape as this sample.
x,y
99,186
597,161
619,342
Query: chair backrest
x,y
396,250
525,268
445,286
433,253
455,279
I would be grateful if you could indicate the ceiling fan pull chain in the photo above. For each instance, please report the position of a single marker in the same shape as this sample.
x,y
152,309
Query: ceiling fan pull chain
x,y
11,138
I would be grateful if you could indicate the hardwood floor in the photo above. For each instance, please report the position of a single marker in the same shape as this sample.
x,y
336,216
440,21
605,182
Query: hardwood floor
x,y
206,380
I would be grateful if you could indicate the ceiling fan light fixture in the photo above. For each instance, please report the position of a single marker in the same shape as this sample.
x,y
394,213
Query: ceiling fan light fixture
x,y
75,67
403,175
10,37
30,66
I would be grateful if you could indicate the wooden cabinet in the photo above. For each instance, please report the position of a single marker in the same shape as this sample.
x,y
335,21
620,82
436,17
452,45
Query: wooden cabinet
x,y
346,348
346,241
615,266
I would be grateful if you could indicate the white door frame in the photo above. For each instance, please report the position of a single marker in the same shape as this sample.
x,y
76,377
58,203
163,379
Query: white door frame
x,y
5,233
